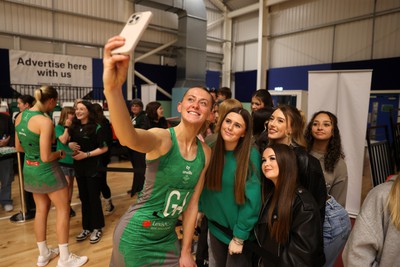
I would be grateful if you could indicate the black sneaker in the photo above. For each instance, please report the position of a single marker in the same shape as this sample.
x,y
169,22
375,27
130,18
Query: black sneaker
x,y
83,235
109,207
72,213
95,236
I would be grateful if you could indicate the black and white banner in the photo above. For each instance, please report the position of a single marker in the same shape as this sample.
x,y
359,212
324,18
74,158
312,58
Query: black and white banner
x,y
51,69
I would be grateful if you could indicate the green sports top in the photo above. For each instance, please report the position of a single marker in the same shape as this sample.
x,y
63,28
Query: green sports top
x,y
221,206
59,129
39,176
148,227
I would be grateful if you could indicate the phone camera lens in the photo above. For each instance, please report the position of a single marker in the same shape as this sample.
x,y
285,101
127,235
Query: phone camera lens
x,y
131,21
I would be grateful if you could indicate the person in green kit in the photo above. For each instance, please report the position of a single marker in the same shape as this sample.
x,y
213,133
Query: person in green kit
x,y
176,162
62,136
231,199
44,177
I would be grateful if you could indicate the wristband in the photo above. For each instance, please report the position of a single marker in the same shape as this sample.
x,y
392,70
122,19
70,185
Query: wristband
x,y
238,241
87,154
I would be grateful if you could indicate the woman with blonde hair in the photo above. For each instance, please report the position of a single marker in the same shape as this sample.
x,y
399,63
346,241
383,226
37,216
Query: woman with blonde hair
x,y
375,238
44,177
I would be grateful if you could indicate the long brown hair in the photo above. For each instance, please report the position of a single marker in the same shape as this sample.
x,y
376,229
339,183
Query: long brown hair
x,y
242,155
283,192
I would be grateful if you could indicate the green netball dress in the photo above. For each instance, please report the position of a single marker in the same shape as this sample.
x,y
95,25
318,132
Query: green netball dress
x,y
39,177
145,235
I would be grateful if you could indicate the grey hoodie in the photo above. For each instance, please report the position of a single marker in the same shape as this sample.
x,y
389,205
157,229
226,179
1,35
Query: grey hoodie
x,y
374,241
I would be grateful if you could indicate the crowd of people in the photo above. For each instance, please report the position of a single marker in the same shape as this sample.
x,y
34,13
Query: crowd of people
x,y
260,187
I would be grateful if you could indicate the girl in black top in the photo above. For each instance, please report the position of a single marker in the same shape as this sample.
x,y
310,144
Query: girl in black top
x,y
89,142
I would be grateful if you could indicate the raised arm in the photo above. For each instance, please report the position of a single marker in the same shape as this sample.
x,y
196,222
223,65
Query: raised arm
x,y
114,76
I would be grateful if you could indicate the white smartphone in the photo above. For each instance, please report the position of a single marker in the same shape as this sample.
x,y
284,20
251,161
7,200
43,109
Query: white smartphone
x,y
133,31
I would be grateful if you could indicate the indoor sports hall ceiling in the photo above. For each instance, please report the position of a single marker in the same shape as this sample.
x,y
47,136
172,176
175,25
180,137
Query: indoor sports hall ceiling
x,y
237,4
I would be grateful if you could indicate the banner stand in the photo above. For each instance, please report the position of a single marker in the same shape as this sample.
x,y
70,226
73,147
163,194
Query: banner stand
x,y
22,216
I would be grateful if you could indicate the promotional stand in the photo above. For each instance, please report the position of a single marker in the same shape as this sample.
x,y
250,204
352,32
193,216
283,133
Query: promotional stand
x,y
22,216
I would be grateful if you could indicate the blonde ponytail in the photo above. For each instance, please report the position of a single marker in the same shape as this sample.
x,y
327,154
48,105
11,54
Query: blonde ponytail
x,y
43,94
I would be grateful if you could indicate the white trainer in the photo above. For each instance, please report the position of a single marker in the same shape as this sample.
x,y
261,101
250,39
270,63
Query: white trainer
x,y
8,207
73,261
44,260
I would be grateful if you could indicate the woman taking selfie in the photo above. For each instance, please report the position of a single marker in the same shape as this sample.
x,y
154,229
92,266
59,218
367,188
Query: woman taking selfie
x,y
176,163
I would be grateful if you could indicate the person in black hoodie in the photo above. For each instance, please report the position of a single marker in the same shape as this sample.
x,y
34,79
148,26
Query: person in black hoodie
x,y
289,227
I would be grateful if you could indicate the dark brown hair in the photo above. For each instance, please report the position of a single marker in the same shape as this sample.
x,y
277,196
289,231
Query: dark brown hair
x,y
151,110
334,151
283,192
264,97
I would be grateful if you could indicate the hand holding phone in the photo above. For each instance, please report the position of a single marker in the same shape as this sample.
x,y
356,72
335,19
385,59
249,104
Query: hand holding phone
x,y
133,31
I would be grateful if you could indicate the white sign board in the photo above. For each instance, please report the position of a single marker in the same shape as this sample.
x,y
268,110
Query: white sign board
x,y
148,93
51,69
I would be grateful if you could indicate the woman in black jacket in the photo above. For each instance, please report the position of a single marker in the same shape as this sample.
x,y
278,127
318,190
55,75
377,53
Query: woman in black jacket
x,y
289,228
286,126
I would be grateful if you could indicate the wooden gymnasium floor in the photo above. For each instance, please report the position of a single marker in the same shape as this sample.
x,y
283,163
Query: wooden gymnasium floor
x,y
17,240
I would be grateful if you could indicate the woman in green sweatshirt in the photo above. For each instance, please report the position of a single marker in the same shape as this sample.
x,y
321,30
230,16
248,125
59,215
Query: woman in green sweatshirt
x,y
231,198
